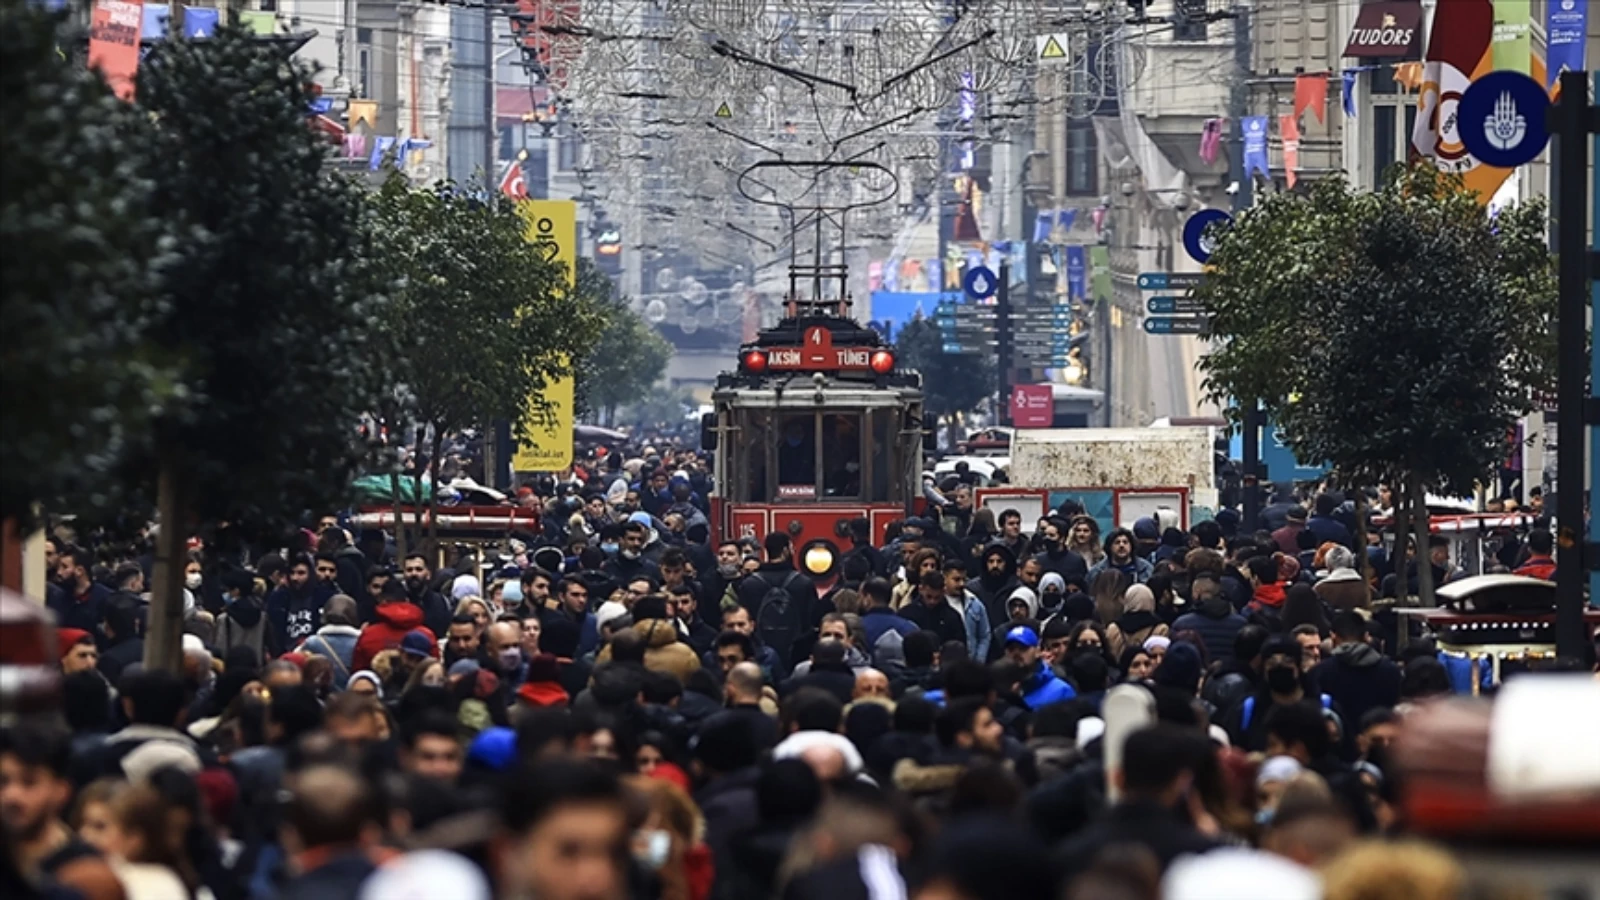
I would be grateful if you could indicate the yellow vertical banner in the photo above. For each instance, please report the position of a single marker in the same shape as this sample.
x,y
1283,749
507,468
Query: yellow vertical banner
x,y
553,228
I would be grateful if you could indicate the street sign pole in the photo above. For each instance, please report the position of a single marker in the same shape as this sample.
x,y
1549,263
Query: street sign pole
x,y
1594,363
1573,119
1002,336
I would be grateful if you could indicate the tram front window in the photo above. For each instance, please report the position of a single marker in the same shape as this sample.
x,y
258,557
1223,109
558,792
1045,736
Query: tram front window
x,y
797,451
841,441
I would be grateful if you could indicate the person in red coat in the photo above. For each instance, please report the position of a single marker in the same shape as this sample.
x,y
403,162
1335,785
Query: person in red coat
x,y
396,617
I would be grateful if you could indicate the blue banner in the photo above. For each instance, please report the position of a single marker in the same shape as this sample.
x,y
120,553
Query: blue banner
x,y
1077,273
199,21
156,18
1065,218
1042,223
1565,23
1255,146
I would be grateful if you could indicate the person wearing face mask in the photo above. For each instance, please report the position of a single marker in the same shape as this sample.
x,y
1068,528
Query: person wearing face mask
x,y
1052,591
630,562
1282,684
1056,556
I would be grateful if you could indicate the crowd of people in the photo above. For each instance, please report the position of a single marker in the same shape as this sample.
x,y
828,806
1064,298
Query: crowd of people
x,y
617,707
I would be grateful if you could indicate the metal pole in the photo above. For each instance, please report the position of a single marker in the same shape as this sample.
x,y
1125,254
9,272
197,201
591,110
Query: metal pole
x,y
1002,340
1594,374
1571,117
1243,198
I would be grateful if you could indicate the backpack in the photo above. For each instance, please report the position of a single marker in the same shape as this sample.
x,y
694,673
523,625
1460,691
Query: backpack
x,y
779,620
1250,710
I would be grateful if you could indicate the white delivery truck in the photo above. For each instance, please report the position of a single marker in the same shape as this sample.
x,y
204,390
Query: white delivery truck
x,y
1118,474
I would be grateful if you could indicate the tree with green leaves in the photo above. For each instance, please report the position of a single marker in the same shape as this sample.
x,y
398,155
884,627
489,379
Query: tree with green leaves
x,y
1396,334
952,383
630,356
81,249
480,321
264,308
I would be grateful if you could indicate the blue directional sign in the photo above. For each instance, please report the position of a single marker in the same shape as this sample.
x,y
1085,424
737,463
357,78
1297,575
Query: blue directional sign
x,y
1170,325
1501,119
980,283
1170,281
1173,306
1280,459
1195,240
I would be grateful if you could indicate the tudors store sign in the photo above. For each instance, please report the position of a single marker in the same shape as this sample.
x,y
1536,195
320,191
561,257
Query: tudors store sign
x,y
1387,29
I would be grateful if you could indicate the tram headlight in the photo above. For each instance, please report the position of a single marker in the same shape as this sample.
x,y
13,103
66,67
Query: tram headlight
x,y
755,362
882,362
819,558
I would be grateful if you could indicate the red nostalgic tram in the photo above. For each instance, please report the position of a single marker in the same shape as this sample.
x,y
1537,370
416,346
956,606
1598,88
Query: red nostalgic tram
x,y
818,426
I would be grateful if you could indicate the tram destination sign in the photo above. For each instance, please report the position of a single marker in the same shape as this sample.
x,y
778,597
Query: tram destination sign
x,y
818,354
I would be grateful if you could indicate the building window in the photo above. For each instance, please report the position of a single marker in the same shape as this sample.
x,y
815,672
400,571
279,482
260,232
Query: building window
x,y
1082,164
1383,142
363,69
569,151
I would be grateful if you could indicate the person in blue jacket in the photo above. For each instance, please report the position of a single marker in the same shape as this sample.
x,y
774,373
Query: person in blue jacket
x,y
1041,688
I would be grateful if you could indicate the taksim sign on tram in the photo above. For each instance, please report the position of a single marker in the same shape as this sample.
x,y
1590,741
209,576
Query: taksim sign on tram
x,y
818,354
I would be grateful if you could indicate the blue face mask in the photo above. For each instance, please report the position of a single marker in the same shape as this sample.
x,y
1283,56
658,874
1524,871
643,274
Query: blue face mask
x,y
609,549
229,599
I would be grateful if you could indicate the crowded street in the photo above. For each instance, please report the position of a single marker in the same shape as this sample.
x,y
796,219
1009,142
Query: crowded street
x,y
794,450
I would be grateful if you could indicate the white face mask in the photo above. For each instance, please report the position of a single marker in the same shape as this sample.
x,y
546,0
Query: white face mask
x,y
656,847
192,581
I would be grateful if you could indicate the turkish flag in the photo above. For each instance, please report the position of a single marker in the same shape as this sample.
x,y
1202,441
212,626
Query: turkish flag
x,y
513,184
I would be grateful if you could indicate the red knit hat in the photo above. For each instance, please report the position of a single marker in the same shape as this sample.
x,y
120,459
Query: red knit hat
x,y
542,693
67,638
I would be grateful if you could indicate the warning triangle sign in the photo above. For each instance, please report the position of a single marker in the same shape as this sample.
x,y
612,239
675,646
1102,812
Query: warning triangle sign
x,y
723,112
1052,49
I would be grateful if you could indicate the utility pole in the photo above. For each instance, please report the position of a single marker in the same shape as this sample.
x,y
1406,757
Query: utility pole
x,y
1243,197
1002,340
1573,120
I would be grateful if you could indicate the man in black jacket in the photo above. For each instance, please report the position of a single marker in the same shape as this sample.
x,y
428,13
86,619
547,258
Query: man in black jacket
x,y
1159,767
778,573
933,613
1056,557
829,672
1357,677
996,581
418,579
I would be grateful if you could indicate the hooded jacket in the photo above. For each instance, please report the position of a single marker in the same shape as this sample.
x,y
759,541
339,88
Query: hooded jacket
x,y
1043,688
995,589
1358,678
1269,596
663,651
1217,624
394,620
243,623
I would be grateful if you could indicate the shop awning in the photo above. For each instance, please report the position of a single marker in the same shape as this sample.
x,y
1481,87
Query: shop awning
x,y
1388,29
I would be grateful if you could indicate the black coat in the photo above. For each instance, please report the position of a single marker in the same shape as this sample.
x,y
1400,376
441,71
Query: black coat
x,y
944,622
1067,564
1135,821
837,679
1358,678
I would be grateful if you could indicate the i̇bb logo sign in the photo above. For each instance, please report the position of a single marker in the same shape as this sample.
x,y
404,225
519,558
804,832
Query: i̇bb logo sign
x,y
1032,406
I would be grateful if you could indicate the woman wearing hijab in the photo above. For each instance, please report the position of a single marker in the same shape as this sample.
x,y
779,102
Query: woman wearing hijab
x,y
1137,622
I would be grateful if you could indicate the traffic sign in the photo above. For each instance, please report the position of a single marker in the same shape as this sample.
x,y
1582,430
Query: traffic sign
x,y
1169,325
1501,119
980,283
1182,306
1170,281
1195,240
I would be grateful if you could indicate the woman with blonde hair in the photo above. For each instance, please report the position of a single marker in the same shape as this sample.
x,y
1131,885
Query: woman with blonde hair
x,y
146,848
1083,538
671,839
430,674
